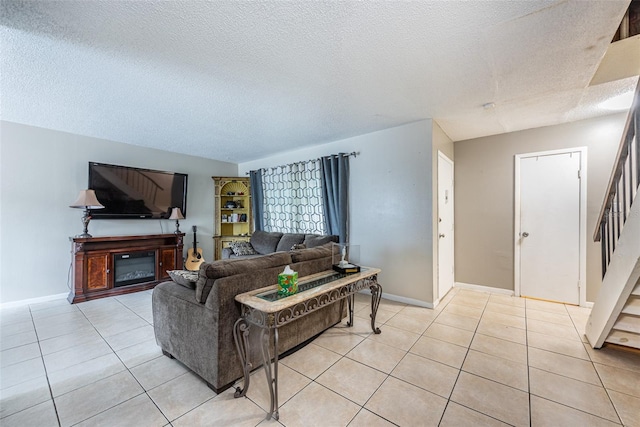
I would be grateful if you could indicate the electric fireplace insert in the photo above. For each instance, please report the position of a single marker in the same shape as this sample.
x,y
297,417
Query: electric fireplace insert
x,y
134,267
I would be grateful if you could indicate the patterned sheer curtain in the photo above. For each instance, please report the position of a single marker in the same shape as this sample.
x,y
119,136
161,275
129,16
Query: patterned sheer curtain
x,y
292,199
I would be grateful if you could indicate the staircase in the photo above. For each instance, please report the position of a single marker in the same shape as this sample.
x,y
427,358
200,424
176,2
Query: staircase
x,y
615,316
626,329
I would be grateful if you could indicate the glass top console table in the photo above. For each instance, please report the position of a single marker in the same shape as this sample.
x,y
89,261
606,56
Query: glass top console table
x,y
267,310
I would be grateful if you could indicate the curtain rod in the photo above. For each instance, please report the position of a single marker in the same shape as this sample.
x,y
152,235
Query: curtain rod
x,y
353,153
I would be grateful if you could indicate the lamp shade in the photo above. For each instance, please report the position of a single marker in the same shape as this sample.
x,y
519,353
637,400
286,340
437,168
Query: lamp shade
x,y
87,200
176,213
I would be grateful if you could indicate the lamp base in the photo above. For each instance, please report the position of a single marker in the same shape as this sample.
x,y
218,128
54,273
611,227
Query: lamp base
x,y
85,221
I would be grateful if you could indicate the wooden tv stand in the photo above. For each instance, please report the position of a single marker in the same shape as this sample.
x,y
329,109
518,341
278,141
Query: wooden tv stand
x,y
94,261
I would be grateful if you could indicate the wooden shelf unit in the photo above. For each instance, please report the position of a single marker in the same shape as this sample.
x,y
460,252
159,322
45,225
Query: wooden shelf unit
x,y
94,260
226,190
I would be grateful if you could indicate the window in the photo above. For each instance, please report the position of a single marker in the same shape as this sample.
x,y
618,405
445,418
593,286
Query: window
x,y
293,198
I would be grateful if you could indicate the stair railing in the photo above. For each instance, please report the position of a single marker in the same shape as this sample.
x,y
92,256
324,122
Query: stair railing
x,y
140,182
623,186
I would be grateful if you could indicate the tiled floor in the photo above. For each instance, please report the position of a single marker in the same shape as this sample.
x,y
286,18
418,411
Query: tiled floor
x,y
477,360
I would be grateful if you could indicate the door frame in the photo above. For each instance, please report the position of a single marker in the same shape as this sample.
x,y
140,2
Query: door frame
x,y
582,286
442,156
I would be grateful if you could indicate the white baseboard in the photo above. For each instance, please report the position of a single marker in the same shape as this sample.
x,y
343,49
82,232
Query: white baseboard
x,y
404,300
481,288
38,300
460,285
491,290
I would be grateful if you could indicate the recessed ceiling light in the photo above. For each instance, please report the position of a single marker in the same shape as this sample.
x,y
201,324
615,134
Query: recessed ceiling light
x,y
488,105
618,102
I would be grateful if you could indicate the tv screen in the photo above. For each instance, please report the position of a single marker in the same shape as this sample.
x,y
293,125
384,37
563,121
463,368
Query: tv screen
x,y
128,192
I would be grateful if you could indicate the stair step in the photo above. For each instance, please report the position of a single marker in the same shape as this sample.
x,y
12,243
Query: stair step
x,y
636,290
628,323
632,306
624,338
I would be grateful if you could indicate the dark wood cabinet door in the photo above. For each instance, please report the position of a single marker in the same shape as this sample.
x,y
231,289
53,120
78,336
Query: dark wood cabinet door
x,y
98,271
167,261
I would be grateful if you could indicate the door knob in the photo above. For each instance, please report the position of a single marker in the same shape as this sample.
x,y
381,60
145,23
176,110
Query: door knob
x,y
441,235
525,234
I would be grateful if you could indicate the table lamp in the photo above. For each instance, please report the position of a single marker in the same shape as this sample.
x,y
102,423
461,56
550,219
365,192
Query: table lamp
x,y
86,200
176,214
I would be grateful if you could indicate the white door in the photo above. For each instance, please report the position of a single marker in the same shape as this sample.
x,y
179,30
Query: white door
x,y
445,225
550,223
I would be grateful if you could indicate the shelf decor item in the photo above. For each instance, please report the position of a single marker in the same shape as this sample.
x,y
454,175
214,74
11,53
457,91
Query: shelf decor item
x,y
346,258
86,200
176,214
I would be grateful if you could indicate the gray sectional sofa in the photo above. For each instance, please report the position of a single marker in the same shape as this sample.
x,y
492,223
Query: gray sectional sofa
x,y
194,323
265,242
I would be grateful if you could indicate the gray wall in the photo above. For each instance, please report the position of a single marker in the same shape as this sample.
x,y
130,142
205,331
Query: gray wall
x,y
41,173
484,195
390,203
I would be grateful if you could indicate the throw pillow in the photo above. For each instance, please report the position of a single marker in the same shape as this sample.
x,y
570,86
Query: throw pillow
x,y
185,278
242,248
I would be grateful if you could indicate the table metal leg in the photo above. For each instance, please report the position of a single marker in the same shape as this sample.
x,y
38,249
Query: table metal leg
x,y
376,294
272,376
276,415
241,337
351,299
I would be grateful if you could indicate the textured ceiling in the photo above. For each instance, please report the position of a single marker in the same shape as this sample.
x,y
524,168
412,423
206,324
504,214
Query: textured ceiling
x,y
238,81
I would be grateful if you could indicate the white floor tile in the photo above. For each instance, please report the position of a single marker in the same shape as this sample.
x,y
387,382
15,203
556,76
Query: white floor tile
x,y
467,362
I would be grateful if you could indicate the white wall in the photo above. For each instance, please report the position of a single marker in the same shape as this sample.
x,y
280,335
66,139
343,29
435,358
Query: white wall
x,y
390,202
441,142
41,173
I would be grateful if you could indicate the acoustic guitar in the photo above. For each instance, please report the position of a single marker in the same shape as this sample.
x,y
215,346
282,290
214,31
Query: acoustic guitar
x,y
194,254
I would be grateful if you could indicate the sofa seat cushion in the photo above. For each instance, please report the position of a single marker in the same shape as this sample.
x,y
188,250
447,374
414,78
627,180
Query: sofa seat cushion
x,y
209,272
265,242
288,240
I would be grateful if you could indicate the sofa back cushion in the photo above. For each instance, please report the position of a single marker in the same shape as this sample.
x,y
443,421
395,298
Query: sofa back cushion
x,y
313,240
265,242
288,240
210,272
299,255
311,261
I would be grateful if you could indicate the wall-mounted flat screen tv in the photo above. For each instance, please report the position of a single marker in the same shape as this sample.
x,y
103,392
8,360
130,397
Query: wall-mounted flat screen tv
x,y
128,192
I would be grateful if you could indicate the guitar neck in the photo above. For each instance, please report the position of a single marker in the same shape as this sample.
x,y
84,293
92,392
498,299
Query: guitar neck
x,y
194,239
195,245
